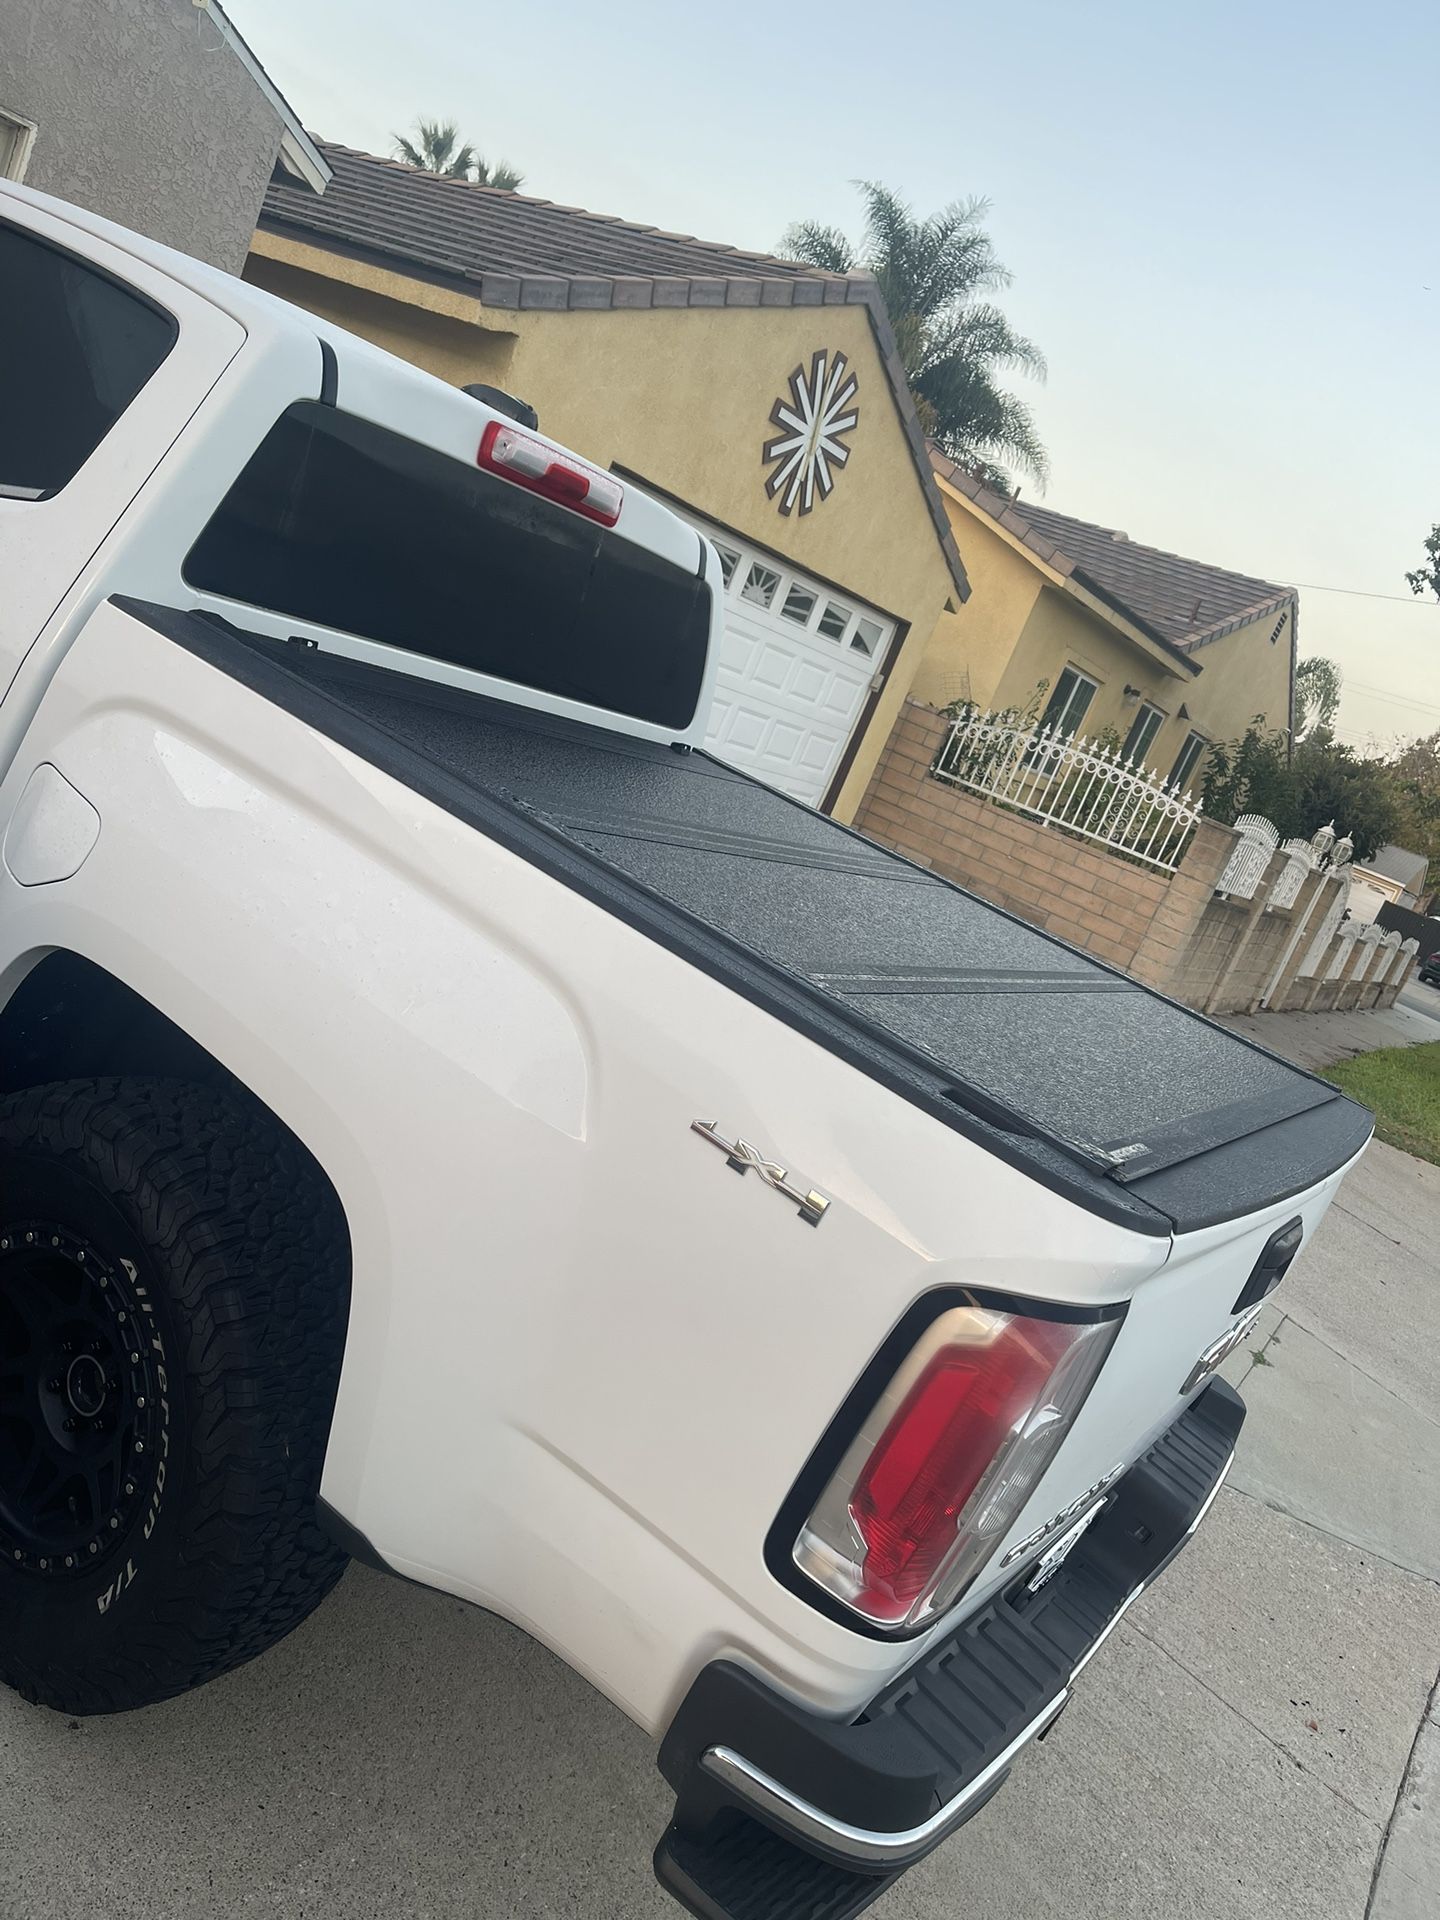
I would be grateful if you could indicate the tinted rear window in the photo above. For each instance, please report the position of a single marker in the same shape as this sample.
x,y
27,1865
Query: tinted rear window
x,y
75,349
344,523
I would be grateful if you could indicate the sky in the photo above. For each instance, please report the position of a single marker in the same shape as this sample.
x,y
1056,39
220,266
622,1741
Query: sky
x,y
1222,221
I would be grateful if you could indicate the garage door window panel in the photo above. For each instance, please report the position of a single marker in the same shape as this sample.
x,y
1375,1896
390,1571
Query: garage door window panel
x,y
761,585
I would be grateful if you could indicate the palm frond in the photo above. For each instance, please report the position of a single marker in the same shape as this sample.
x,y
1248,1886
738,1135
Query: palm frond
x,y
502,175
817,246
933,275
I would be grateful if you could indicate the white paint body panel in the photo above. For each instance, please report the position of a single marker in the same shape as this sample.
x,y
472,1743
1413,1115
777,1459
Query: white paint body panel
x,y
584,1361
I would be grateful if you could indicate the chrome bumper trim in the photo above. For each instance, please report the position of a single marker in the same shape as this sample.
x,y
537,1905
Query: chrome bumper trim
x,y
778,1807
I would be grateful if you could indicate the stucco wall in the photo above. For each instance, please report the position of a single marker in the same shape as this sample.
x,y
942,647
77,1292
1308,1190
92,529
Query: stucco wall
x,y
969,651
1019,628
680,397
144,115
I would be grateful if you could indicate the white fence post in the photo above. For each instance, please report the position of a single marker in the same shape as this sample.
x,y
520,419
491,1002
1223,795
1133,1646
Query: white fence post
x,y
1245,868
1082,786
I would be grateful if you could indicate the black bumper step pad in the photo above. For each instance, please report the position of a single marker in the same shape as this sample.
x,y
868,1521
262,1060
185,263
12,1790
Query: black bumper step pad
x,y
745,1872
936,1729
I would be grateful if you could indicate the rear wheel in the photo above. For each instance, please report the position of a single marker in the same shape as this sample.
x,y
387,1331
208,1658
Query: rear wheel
x,y
173,1293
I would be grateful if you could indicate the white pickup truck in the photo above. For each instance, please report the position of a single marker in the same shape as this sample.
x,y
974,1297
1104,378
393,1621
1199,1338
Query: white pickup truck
x,y
448,1119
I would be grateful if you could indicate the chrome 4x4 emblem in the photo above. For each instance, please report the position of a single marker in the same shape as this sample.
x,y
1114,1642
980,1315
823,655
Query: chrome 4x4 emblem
x,y
740,1155
1221,1349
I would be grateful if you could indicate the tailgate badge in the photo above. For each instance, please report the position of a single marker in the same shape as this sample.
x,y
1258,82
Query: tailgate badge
x,y
1221,1349
744,1158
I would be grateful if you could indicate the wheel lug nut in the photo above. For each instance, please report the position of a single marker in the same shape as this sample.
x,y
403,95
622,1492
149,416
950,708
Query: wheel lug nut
x,y
113,1522
69,1559
134,1359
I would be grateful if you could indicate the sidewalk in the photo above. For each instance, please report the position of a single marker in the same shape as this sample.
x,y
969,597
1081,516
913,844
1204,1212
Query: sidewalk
x,y
1314,1040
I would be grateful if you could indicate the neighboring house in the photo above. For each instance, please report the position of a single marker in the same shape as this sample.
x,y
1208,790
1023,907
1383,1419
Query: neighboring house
x,y
154,113
1394,875
761,398
1163,655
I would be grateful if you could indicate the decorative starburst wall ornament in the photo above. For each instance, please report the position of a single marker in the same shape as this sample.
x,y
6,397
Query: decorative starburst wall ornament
x,y
813,427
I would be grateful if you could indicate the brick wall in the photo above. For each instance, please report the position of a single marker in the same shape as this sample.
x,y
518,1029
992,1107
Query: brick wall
x,y
1136,917
1171,930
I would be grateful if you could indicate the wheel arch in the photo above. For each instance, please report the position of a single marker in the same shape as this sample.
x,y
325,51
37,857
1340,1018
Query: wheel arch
x,y
68,1018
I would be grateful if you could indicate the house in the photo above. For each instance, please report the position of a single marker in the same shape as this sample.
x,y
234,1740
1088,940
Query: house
x,y
1393,876
762,399
154,113
1101,635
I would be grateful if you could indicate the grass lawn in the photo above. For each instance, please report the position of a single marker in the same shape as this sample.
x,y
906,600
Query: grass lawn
x,y
1402,1084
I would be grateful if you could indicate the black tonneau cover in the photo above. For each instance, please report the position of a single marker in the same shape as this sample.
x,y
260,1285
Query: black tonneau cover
x,y
1137,1107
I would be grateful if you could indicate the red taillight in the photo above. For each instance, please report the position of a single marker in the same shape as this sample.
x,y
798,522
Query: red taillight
x,y
931,1457
529,463
947,1459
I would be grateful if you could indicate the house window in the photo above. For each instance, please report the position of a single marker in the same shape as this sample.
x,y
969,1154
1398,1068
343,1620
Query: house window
x,y
1187,759
1069,703
1141,737
17,137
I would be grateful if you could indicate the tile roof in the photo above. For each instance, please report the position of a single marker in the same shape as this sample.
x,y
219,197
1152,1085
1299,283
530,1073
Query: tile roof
x,y
1183,603
515,251
1398,864
529,253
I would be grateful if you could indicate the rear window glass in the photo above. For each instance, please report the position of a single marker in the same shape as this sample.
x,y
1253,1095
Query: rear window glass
x,y
75,349
344,523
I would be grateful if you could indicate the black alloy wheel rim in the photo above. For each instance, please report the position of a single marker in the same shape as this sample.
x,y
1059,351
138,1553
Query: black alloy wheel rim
x,y
82,1385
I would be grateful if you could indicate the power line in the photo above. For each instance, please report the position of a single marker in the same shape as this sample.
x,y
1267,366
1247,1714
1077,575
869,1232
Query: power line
x,y
1400,699
1364,593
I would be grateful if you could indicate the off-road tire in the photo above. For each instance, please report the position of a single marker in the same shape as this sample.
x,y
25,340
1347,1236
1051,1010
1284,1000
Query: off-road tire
x,y
191,1213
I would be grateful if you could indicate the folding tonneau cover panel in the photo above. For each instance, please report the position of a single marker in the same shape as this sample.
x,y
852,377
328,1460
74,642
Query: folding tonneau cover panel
x,y
1101,1086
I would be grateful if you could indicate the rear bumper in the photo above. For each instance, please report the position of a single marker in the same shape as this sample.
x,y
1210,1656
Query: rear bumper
x,y
775,1802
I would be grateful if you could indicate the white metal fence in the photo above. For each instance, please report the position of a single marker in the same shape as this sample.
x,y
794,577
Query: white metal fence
x,y
1077,784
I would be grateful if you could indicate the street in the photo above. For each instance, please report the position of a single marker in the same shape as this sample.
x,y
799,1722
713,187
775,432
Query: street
x,y
1235,1752
1421,999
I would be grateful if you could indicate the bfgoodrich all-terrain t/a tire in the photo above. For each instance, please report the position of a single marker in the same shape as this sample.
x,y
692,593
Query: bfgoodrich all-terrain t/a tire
x,y
173,1295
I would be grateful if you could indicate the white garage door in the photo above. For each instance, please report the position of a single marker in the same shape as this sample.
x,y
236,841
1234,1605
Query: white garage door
x,y
796,667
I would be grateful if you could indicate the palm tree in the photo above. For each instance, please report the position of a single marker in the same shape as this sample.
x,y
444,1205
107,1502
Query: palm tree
x,y
953,344
437,149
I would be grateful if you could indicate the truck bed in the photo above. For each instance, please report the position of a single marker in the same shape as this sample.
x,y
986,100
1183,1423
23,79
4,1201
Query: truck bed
x,y
1134,1106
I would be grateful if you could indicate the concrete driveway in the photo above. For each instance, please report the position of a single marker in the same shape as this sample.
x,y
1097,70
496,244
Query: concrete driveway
x,y
1253,1742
